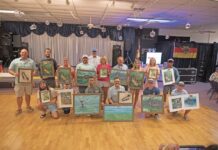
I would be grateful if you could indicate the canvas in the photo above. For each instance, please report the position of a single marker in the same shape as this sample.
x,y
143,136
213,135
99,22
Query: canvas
x,y
103,73
118,113
45,96
47,69
83,77
85,104
125,97
152,74
152,104
122,74
168,76
64,75
65,98
136,79
175,103
25,75
191,101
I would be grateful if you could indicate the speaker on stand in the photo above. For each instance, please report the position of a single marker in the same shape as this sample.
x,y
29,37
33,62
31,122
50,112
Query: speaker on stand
x,y
116,53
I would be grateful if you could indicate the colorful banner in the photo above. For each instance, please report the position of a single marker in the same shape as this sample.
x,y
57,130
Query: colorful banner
x,y
185,50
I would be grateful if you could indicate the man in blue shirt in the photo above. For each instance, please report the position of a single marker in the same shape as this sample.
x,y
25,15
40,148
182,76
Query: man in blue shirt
x,y
22,89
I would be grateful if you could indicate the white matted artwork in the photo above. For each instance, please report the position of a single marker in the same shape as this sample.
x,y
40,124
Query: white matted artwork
x,y
168,76
175,103
45,96
125,97
191,101
65,98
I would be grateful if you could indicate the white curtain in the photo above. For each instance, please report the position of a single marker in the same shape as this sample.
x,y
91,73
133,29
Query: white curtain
x,y
72,47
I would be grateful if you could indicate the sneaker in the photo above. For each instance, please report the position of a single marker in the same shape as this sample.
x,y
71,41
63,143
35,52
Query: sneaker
x,y
18,112
42,116
185,118
29,109
157,116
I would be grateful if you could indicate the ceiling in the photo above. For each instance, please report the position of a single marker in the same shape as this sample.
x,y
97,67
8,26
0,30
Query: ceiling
x,y
114,12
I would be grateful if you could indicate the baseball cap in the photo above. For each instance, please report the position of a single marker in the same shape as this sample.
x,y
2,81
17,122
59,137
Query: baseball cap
x,y
94,50
170,60
181,83
85,56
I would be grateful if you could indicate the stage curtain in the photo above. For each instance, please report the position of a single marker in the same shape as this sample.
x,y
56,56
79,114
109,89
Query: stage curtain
x,y
72,46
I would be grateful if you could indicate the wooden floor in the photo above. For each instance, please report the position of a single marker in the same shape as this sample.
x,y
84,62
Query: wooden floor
x,y
29,132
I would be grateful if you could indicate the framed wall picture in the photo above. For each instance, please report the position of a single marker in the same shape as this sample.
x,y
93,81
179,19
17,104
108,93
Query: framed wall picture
x,y
47,69
64,75
45,96
82,77
103,73
136,79
122,74
175,103
125,97
152,74
191,101
168,76
86,104
118,113
25,75
65,98
152,104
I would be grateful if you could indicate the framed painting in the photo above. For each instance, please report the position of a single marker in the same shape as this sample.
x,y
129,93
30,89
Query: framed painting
x,y
124,97
118,113
152,74
25,75
64,75
122,74
103,73
136,79
86,104
175,103
152,104
191,101
47,69
168,76
45,96
82,76
65,98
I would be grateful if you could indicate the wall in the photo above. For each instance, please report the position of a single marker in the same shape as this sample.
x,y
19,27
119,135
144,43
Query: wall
x,y
195,35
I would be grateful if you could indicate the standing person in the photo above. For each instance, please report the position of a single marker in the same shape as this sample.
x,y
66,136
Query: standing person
x,y
51,106
50,80
120,64
103,73
113,91
152,66
181,91
94,59
84,65
22,89
151,89
135,92
67,65
168,88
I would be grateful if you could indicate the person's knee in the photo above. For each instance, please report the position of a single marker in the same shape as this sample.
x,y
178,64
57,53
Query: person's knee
x,y
55,115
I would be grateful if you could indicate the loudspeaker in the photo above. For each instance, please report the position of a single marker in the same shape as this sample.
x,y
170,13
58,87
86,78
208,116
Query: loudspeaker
x,y
17,41
187,71
5,39
116,53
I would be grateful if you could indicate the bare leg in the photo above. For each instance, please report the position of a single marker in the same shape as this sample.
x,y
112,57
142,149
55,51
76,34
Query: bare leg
x,y
105,90
27,98
186,113
55,115
19,102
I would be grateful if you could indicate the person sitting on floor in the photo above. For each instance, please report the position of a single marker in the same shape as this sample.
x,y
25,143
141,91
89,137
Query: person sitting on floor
x,y
214,76
151,89
180,91
51,106
113,91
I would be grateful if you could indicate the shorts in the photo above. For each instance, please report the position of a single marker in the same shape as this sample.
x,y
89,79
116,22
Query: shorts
x,y
168,89
51,107
21,90
103,84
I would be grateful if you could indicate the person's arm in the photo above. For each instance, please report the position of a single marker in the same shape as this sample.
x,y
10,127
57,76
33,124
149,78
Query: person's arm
x,y
12,69
177,75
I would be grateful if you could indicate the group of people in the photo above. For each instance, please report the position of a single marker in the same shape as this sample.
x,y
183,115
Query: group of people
x,y
97,84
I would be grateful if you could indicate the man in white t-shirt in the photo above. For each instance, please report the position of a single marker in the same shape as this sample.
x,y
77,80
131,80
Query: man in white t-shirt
x,y
94,59
84,65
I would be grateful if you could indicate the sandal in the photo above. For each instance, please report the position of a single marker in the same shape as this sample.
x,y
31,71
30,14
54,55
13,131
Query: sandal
x,y
42,116
18,112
